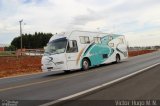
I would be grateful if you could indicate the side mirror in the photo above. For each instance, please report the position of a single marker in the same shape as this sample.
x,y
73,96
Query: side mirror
x,y
71,44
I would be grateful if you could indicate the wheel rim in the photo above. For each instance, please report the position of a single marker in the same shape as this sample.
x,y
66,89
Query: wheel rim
x,y
85,65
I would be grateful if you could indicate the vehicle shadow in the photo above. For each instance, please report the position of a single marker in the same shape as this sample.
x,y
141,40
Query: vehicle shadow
x,y
62,73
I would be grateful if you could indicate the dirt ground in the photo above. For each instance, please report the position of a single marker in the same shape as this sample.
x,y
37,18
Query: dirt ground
x,y
12,66
135,53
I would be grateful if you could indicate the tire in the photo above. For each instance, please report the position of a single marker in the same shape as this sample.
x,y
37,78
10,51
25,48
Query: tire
x,y
118,59
85,64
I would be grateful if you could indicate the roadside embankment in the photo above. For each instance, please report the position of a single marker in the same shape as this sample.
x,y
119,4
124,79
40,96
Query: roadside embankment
x,y
12,65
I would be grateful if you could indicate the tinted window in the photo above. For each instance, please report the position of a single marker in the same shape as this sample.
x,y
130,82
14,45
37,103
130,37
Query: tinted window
x,y
72,49
84,39
97,39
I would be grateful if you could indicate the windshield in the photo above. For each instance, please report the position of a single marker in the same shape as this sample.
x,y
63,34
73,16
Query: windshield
x,y
56,46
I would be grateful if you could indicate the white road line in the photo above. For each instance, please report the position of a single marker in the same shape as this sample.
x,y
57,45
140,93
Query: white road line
x,y
98,87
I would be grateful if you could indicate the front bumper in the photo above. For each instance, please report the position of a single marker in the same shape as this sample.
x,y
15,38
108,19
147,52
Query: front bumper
x,y
48,68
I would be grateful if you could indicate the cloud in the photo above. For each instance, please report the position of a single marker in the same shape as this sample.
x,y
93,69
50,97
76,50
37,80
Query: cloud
x,y
84,19
133,18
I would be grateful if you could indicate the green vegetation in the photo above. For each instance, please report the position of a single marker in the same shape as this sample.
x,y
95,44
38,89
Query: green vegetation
x,y
32,41
7,53
10,48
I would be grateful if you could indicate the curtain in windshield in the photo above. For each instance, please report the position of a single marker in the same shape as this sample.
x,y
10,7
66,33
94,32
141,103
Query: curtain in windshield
x,y
56,46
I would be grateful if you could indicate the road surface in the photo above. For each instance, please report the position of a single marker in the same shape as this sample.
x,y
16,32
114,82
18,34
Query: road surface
x,y
46,87
143,87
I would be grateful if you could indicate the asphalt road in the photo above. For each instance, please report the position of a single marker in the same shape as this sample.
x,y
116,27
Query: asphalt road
x,y
143,87
56,85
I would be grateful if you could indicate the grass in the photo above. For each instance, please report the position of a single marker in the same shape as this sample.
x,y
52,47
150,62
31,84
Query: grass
x,y
7,53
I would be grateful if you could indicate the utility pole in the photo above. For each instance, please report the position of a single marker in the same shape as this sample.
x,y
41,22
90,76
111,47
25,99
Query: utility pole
x,y
20,22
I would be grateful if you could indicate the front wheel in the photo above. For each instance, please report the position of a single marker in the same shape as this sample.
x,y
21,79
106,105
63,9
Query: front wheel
x,y
85,64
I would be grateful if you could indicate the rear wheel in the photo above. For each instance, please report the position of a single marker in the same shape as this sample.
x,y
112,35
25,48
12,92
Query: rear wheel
x,y
85,64
118,59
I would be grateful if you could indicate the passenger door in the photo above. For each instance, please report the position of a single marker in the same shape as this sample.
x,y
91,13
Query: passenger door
x,y
71,55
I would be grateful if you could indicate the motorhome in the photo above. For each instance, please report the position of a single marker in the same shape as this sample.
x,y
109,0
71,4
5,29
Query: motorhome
x,y
82,50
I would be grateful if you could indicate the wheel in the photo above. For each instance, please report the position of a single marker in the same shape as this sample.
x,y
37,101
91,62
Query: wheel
x,y
118,59
85,64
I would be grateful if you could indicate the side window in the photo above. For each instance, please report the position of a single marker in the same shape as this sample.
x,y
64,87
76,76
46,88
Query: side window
x,y
84,39
121,41
97,39
110,38
74,47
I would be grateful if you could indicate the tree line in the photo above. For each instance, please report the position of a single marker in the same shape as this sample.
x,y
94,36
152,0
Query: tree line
x,y
31,41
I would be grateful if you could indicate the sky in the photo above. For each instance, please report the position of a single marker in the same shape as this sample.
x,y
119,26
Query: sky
x,y
138,20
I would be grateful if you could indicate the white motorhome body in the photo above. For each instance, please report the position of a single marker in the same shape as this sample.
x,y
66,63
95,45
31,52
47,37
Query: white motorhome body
x,y
83,49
